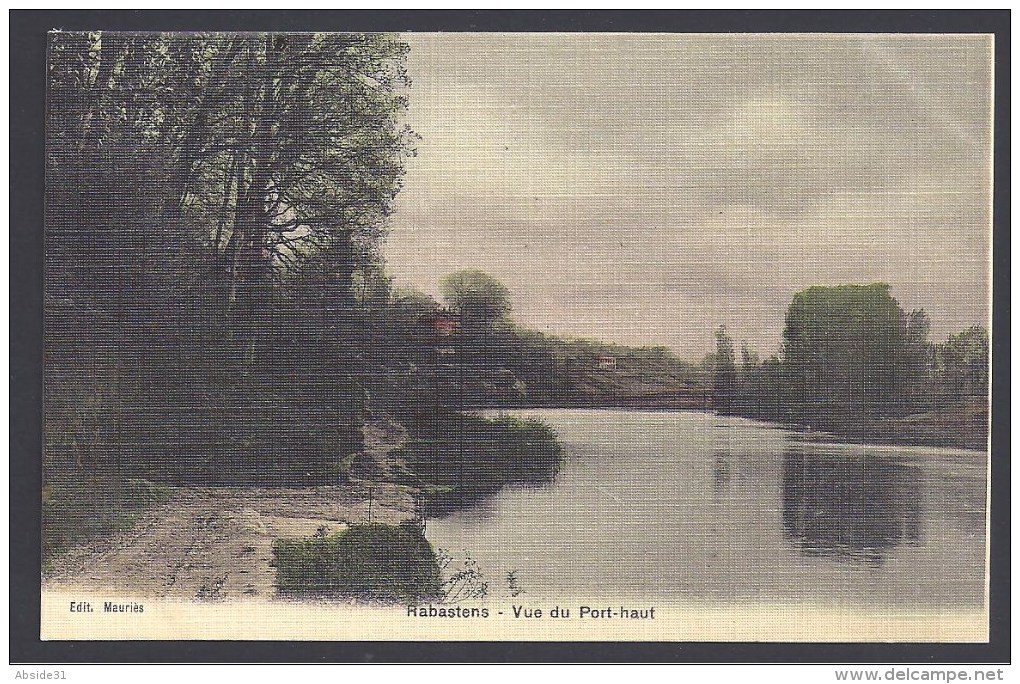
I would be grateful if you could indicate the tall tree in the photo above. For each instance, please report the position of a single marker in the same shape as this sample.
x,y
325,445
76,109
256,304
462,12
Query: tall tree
x,y
961,366
724,377
481,300
848,352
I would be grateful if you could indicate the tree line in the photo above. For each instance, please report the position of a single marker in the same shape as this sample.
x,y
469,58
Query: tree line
x,y
850,356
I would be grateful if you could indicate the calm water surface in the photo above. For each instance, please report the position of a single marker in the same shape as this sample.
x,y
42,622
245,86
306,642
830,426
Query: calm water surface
x,y
676,507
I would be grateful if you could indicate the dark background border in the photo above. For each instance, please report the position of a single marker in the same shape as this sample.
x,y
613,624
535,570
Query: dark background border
x,y
27,97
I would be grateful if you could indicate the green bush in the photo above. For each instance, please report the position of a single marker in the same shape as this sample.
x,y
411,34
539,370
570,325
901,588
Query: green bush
x,y
369,561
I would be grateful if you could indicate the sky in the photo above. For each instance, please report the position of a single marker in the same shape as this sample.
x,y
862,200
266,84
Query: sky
x,y
646,188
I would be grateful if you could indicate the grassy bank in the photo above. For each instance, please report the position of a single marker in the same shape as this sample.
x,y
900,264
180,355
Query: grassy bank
x,y
73,512
456,459
960,427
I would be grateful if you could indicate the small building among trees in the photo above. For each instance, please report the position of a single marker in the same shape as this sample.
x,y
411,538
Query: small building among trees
x,y
445,323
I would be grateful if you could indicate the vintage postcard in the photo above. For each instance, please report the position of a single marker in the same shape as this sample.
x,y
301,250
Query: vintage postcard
x,y
517,336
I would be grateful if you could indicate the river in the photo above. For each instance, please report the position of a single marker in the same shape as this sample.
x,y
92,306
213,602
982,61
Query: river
x,y
693,507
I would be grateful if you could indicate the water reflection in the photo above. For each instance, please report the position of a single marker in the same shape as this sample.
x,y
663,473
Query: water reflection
x,y
665,506
850,508
722,472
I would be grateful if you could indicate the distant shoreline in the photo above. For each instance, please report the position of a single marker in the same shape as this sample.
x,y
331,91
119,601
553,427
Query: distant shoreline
x,y
886,432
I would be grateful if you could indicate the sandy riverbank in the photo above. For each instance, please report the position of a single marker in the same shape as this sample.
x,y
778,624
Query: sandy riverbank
x,y
216,543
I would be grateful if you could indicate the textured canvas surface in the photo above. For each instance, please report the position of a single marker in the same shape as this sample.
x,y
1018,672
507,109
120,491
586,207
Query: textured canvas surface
x,y
511,336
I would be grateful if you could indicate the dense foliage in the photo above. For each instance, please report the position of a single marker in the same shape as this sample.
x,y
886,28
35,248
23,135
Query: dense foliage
x,y
851,350
214,204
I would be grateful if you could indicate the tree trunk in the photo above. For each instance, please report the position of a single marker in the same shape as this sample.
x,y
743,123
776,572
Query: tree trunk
x,y
250,280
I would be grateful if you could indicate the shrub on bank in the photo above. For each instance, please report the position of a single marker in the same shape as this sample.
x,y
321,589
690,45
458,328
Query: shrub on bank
x,y
367,561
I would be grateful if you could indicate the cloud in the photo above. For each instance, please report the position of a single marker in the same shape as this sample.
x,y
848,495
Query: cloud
x,y
645,188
